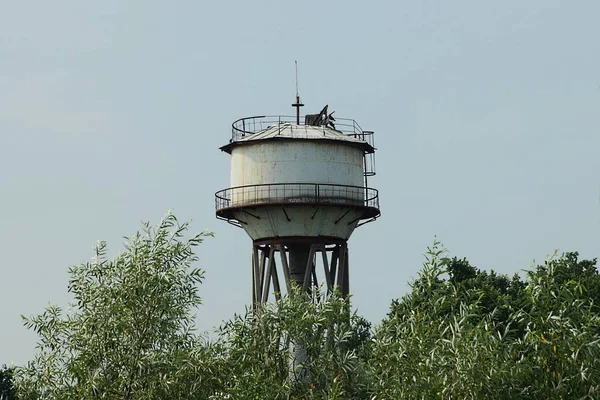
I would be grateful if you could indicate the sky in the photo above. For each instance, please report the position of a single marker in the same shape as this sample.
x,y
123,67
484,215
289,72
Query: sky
x,y
486,119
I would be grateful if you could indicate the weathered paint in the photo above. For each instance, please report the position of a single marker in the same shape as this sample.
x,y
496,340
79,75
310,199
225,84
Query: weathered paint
x,y
296,161
304,220
288,131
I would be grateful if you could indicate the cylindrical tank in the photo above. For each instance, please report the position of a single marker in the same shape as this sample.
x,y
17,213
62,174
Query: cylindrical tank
x,y
293,180
272,161
300,161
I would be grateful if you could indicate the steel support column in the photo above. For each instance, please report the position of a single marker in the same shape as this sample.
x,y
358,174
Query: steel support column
x,y
299,264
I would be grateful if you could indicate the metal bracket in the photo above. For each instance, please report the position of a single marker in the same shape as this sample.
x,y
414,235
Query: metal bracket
x,y
249,213
286,214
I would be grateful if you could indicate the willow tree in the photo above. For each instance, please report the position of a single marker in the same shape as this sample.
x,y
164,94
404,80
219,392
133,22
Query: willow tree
x,y
128,333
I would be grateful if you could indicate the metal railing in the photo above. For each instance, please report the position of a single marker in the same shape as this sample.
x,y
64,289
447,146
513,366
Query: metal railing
x,y
248,126
297,193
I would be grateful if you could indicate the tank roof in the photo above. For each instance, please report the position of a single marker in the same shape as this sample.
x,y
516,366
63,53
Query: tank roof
x,y
244,131
288,130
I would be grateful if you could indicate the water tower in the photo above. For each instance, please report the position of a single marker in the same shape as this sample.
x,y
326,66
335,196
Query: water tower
x,y
299,188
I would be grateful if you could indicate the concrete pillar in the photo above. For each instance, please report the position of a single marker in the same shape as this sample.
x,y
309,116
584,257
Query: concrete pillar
x,y
298,262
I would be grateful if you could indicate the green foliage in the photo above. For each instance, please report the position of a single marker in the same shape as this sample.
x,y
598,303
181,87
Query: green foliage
x,y
7,391
257,346
479,335
129,334
568,269
461,333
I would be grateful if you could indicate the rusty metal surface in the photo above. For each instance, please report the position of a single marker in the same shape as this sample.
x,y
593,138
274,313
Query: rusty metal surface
x,y
297,194
273,162
300,240
288,179
308,210
305,266
282,126
321,119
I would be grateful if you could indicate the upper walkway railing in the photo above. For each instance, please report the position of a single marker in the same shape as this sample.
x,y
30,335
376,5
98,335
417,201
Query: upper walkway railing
x,y
244,127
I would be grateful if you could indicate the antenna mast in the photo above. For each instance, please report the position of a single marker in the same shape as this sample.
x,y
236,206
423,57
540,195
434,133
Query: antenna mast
x,y
297,104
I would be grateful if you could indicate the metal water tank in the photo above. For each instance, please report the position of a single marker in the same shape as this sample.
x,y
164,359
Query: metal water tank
x,y
290,180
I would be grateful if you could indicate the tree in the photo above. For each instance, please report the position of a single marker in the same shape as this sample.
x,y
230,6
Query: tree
x,y
462,333
568,268
6,384
129,335
256,351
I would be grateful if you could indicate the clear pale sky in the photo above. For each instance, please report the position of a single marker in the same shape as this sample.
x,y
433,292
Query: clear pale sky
x,y
486,117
